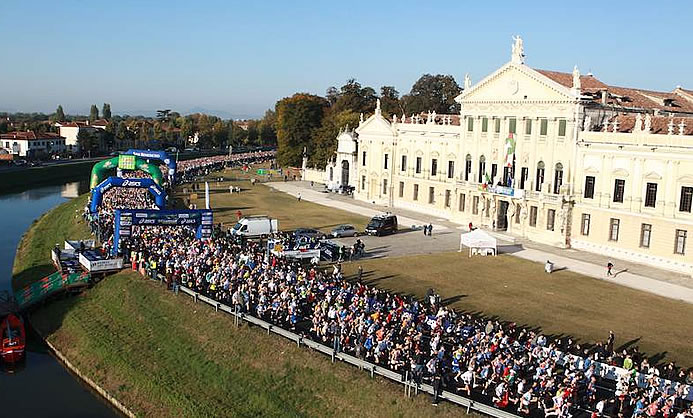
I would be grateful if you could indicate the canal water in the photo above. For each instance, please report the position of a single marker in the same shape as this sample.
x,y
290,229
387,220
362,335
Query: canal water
x,y
41,387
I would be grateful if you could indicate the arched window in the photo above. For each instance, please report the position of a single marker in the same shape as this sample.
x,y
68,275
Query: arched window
x,y
540,176
467,167
482,168
558,178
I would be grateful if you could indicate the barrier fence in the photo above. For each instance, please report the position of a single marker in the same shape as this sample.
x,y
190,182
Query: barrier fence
x,y
469,404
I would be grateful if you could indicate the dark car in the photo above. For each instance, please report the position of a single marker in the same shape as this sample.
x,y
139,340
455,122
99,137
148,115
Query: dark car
x,y
344,231
382,225
309,232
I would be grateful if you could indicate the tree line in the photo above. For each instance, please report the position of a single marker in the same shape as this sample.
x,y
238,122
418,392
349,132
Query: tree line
x,y
313,122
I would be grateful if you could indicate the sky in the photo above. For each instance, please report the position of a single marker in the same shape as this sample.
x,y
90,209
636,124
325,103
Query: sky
x,y
237,58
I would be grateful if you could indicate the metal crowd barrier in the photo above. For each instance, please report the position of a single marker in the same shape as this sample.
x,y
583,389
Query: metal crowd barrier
x,y
373,369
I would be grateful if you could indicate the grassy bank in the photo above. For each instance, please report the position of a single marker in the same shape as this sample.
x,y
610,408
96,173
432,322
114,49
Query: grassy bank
x,y
27,178
32,261
163,355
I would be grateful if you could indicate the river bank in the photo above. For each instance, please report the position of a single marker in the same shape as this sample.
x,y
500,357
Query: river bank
x,y
13,180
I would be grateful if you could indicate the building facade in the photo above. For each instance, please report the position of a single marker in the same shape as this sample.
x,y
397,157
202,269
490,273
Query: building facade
x,y
70,131
557,158
29,144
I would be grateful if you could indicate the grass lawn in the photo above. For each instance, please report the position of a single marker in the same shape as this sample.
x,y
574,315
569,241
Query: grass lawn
x,y
163,355
263,200
513,289
32,261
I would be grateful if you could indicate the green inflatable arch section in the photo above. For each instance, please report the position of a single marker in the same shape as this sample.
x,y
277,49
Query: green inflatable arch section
x,y
100,170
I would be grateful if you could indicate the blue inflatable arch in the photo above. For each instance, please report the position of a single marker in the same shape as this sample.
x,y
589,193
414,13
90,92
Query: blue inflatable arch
x,y
157,155
156,191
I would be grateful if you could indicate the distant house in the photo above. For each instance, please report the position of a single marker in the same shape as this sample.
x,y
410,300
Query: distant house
x,y
31,144
70,131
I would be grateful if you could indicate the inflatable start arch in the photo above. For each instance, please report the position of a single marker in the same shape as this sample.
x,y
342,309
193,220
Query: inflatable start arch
x,y
156,191
98,172
157,155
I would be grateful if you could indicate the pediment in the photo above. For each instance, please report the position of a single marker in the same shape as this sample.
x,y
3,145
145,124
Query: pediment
x,y
619,172
516,82
685,179
592,170
375,124
653,175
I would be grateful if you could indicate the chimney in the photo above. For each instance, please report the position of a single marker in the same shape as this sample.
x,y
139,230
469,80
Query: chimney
x,y
605,94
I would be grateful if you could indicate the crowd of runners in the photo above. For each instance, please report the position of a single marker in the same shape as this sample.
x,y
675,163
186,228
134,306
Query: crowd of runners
x,y
502,364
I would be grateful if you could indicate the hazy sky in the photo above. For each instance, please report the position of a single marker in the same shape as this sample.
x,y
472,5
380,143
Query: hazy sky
x,y
241,57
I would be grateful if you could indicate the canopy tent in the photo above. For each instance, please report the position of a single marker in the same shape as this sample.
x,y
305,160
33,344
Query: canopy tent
x,y
479,242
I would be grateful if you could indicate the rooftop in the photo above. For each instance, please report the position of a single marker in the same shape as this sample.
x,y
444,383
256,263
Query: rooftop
x,y
678,100
29,135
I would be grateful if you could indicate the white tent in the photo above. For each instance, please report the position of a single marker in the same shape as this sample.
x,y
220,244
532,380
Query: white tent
x,y
479,242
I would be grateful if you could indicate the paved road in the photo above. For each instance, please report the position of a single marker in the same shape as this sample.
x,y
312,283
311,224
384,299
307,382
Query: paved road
x,y
446,238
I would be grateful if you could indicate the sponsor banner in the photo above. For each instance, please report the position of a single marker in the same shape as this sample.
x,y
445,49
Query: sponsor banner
x,y
101,265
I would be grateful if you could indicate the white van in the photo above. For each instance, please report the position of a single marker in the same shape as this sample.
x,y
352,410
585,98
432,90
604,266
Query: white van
x,y
255,226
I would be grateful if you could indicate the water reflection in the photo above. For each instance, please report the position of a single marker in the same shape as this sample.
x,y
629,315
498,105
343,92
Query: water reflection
x,y
40,386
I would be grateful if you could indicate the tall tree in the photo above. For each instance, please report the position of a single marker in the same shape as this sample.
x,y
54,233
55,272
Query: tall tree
x,y
219,134
59,114
268,130
187,129
93,113
106,111
297,117
159,131
389,101
433,93
352,96
86,141
122,135
143,134
324,138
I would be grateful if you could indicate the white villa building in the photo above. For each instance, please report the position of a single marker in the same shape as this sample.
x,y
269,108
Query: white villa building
x,y
558,158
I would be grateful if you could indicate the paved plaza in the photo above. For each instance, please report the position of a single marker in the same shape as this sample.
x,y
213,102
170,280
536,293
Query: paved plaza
x,y
446,238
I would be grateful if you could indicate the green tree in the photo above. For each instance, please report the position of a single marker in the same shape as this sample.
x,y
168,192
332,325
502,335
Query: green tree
x,y
159,134
106,111
433,93
324,138
389,101
143,134
268,130
59,115
219,134
352,96
86,141
122,134
204,128
297,117
253,133
187,129
93,113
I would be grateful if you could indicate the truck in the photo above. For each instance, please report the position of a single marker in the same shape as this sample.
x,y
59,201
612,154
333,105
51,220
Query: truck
x,y
255,226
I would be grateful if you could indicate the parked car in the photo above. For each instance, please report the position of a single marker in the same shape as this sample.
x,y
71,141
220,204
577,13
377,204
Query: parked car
x,y
382,225
344,231
309,232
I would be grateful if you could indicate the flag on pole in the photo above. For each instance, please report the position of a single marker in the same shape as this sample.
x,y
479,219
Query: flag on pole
x,y
509,150
206,195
